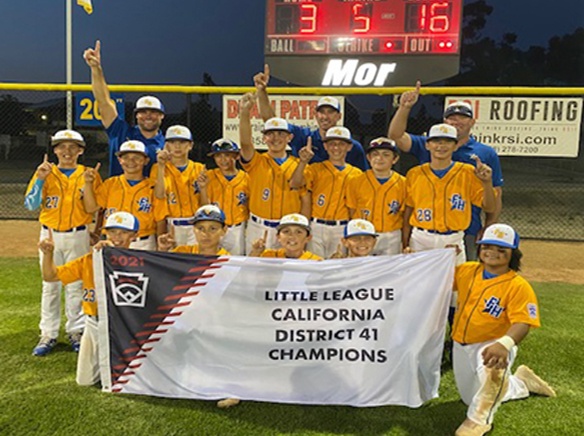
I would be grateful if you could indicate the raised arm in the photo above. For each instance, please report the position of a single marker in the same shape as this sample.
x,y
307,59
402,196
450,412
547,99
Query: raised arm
x,y
260,80
89,201
245,138
399,122
485,175
48,267
305,154
107,107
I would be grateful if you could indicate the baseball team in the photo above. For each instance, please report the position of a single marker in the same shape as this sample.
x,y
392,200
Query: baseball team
x,y
329,198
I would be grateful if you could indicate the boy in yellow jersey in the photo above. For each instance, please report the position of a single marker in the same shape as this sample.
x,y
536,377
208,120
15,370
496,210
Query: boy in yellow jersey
x,y
120,229
209,228
496,309
440,195
130,192
293,234
176,177
359,240
269,173
327,181
228,188
378,195
59,190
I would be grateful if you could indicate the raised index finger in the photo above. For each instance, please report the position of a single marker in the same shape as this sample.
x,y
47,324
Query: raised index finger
x,y
97,167
418,86
309,143
265,235
267,71
97,47
46,158
50,233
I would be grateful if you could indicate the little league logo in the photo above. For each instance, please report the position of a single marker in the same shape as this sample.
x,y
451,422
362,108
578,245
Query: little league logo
x,y
493,308
532,310
241,199
129,289
394,207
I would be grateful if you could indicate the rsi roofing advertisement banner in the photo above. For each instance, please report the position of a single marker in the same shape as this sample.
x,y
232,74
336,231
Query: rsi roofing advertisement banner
x,y
296,109
525,126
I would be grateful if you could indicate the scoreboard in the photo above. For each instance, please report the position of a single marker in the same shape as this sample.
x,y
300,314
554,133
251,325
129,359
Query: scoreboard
x,y
363,42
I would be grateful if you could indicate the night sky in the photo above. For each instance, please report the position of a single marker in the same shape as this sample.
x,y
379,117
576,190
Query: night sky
x,y
175,41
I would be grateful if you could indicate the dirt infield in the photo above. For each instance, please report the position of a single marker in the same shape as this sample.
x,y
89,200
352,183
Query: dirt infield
x,y
544,261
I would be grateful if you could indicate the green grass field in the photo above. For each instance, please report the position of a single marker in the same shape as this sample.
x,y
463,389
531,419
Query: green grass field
x,y
40,396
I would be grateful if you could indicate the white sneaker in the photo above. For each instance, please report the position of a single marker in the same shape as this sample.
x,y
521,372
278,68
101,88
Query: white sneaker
x,y
533,382
228,402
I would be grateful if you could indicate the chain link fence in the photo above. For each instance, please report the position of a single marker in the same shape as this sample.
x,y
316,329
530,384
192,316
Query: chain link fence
x,y
542,197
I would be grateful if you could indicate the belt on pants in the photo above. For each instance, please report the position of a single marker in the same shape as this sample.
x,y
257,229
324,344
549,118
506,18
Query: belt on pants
x,y
436,232
74,229
143,238
330,222
236,225
268,223
181,221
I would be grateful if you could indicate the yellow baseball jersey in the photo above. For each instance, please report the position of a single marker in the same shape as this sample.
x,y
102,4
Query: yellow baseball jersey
x,y
232,196
182,192
116,195
328,185
443,204
382,204
270,194
81,269
281,253
486,309
194,249
62,199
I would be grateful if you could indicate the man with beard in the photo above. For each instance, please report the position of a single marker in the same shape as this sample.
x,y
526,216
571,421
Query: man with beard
x,y
149,113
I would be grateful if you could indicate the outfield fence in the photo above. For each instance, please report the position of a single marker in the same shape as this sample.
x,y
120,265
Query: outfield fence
x,y
543,197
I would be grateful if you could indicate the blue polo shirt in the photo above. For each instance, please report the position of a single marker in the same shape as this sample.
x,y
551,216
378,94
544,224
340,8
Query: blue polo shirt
x,y
355,157
119,132
486,154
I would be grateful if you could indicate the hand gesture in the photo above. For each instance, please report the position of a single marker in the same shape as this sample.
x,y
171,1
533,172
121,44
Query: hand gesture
x,y
203,179
495,356
166,240
47,245
260,80
162,157
338,254
456,248
45,168
482,171
409,98
247,102
103,243
90,174
305,153
259,245
92,56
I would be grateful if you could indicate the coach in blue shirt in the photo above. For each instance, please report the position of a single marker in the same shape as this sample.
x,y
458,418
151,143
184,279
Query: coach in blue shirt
x,y
328,113
460,115
149,113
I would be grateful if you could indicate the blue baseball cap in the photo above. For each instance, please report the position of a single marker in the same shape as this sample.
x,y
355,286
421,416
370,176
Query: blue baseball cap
x,y
209,212
223,145
501,235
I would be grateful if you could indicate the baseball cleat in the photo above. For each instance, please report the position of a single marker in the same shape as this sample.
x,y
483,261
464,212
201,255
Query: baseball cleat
x,y
75,340
44,347
228,402
533,382
471,428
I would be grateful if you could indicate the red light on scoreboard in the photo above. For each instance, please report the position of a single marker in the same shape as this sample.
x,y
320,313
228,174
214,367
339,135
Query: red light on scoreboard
x,y
374,23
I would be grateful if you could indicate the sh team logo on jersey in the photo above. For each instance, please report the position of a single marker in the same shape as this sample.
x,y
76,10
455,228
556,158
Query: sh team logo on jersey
x,y
394,207
144,205
456,202
129,289
493,308
241,199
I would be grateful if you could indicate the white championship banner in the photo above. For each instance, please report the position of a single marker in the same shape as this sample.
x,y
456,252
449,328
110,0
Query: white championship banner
x,y
360,332
527,126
